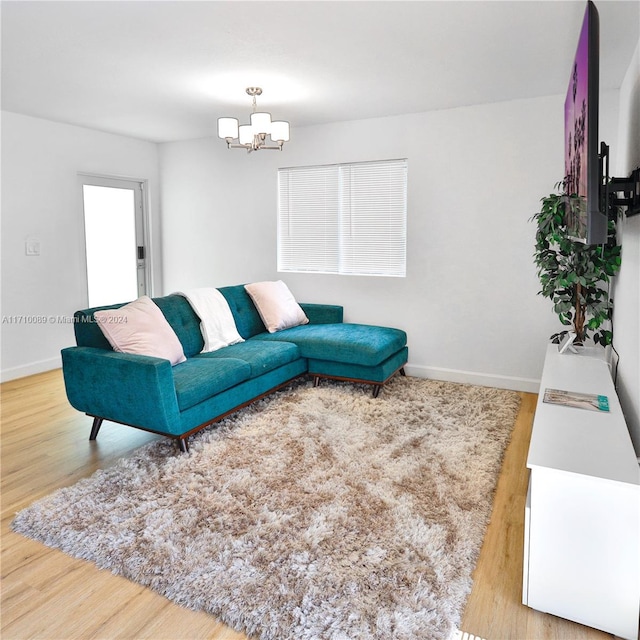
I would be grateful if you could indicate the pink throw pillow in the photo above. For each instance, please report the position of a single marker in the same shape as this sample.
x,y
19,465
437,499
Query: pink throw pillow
x,y
276,305
141,328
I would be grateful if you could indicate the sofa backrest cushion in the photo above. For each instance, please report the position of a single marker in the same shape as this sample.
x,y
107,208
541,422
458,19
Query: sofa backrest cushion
x,y
176,310
141,328
181,317
248,321
86,329
185,322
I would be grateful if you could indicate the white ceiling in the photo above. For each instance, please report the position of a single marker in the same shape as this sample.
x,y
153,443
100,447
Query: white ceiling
x,y
165,70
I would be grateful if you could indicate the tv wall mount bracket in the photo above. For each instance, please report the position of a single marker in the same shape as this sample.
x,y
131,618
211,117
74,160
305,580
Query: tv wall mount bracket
x,y
618,192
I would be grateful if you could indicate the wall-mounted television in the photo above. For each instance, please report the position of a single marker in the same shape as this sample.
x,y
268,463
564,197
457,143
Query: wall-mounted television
x,y
587,221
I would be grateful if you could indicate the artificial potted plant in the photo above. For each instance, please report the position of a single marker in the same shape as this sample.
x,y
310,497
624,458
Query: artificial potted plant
x,y
574,275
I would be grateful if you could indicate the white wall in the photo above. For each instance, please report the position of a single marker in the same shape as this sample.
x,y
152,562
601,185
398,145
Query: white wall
x,y
627,286
41,198
468,303
217,220
476,176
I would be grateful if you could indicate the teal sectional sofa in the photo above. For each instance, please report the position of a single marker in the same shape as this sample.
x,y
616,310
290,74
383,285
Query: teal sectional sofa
x,y
177,401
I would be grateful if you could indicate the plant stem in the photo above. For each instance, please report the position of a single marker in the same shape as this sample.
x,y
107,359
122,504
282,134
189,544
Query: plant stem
x,y
579,319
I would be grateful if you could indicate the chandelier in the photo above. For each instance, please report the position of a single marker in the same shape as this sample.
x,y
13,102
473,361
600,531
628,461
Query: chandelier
x,y
253,137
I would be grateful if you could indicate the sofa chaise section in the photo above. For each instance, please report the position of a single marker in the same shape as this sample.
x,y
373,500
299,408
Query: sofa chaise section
x,y
344,351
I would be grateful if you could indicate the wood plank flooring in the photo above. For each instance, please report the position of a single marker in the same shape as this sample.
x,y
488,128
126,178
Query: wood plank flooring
x,y
48,595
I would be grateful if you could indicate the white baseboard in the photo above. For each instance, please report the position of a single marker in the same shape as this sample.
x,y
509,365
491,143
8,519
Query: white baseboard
x,y
528,385
30,369
434,373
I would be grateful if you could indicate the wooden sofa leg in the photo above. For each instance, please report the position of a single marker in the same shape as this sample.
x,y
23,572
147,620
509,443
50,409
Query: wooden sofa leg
x,y
403,372
184,445
97,423
376,390
316,381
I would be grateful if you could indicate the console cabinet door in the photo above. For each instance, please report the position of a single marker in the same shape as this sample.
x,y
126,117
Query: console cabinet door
x,y
583,558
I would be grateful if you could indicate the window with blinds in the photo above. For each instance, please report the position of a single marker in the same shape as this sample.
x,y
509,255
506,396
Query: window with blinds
x,y
343,218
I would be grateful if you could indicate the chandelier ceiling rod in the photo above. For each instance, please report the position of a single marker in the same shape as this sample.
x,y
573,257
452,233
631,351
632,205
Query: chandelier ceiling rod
x,y
253,137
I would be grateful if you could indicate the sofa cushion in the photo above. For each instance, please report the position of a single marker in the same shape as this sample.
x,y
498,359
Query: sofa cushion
x,y
261,356
86,329
184,321
198,379
140,328
343,342
246,315
176,310
276,305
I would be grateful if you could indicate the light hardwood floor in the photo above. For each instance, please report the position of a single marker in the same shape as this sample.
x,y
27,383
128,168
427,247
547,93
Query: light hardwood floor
x,y
48,595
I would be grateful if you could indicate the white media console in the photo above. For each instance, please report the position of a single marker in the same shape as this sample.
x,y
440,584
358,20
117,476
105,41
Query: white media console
x,y
582,518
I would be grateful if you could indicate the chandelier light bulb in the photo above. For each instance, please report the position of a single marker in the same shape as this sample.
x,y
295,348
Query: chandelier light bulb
x,y
280,131
227,128
261,122
245,134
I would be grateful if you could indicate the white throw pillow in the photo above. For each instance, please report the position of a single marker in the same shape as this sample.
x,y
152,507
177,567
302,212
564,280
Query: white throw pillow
x,y
140,328
276,305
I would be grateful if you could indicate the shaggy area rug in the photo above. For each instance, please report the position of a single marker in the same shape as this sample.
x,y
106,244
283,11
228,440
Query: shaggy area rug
x,y
317,513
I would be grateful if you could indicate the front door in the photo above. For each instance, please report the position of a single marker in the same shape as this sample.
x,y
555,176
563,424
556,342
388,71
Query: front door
x,y
114,240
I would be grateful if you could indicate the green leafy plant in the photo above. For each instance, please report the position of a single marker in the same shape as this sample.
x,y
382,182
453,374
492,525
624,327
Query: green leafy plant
x,y
575,276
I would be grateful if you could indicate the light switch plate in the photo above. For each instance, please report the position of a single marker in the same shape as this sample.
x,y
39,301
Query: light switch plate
x,y
32,247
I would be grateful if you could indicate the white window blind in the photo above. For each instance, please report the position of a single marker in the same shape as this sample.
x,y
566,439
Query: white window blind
x,y
345,218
